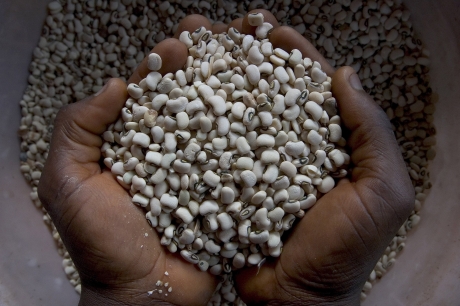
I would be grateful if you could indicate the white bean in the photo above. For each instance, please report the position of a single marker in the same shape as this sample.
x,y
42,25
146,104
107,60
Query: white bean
x,y
276,214
259,237
256,19
318,76
187,237
314,110
326,184
211,178
168,202
263,30
307,202
295,149
170,143
238,109
189,256
154,62
270,174
255,56
239,260
281,53
281,75
208,207
152,220
218,105
181,166
253,73
167,160
316,97
270,156
248,177
254,259
227,195
245,163
295,57
135,91
140,200
274,239
266,118
265,140
259,197
335,132
225,221
178,105
292,113
223,125
242,146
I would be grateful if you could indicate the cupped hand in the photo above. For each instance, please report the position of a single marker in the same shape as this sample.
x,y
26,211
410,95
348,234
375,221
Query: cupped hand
x,y
117,254
331,251
328,255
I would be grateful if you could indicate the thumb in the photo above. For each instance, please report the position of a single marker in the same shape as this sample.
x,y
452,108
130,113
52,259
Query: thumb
x,y
75,145
378,166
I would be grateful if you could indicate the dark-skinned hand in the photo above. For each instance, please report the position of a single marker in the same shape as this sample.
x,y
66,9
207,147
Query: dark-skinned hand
x,y
328,255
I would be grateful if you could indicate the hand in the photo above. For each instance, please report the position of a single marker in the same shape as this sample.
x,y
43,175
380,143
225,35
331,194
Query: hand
x,y
117,254
330,253
118,263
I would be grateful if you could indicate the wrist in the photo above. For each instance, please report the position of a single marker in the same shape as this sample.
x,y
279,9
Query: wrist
x,y
316,302
101,297
323,298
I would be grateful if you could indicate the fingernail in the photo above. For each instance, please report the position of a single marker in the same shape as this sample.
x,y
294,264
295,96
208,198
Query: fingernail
x,y
355,82
100,90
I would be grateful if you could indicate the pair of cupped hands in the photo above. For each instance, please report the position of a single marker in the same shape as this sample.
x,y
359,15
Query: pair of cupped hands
x,y
328,255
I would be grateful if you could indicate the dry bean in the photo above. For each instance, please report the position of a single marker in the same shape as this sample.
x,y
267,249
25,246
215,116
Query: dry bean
x,y
256,19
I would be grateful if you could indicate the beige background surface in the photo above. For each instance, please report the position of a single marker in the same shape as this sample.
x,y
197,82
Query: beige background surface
x,y
426,273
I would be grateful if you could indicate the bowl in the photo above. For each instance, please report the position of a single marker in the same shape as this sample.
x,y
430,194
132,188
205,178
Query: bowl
x,y
30,267
425,273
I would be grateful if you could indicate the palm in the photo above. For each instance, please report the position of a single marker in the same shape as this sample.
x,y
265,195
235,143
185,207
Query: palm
x,y
115,250
328,254
332,250
335,235
132,254
325,250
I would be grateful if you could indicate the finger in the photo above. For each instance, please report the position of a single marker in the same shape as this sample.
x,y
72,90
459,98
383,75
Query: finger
x,y
343,181
246,28
76,141
287,39
219,27
346,232
237,24
80,124
375,152
191,23
173,54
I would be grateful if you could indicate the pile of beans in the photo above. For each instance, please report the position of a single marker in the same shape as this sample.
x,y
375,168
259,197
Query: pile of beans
x,y
228,152
84,43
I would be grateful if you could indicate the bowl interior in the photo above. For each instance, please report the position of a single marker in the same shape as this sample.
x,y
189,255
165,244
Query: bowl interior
x,y
425,273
